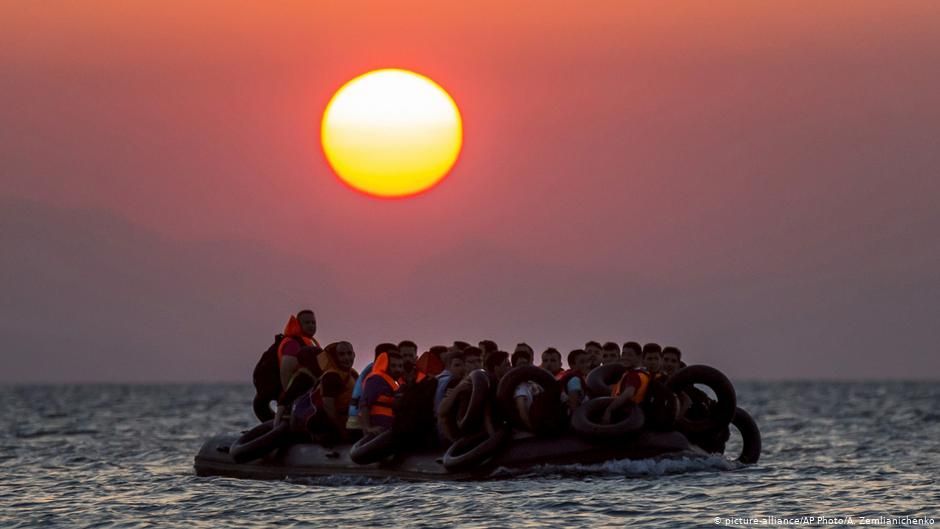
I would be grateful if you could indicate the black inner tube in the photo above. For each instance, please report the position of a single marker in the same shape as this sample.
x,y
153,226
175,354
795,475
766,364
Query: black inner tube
x,y
587,419
720,413
750,436
518,375
259,441
601,379
373,447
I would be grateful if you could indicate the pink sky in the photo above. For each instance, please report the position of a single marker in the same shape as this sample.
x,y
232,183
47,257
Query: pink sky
x,y
757,184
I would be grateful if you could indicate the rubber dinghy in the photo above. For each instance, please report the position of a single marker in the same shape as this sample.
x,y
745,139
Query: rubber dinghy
x,y
478,451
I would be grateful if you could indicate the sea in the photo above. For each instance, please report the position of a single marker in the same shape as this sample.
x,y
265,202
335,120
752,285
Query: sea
x,y
835,454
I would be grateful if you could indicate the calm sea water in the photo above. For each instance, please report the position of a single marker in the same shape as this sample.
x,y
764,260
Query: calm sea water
x,y
121,456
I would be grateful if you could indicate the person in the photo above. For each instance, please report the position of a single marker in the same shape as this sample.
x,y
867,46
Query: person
x,y
594,350
610,353
637,385
573,386
297,360
377,404
524,395
652,358
328,408
632,355
453,372
488,346
431,361
672,359
352,423
461,344
497,365
409,357
551,361
522,355
473,358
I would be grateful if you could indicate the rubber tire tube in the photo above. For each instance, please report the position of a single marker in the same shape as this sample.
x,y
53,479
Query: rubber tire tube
x,y
517,375
450,409
469,451
259,441
721,413
372,448
472,419
601,379
750,436
586,420
262,407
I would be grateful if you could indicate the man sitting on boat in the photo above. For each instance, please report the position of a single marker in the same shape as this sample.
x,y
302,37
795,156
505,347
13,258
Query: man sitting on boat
x,y
377,404
522,355
297,360
610,353
551,361
353,424
454,371
652,358
632,355
638,387
573,386
322,412
672,359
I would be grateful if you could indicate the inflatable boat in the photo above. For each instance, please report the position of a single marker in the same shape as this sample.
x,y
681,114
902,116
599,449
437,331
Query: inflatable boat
x,y
524,451
482,450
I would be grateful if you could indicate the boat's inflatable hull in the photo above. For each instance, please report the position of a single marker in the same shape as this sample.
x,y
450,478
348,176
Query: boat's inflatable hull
x,y
311,460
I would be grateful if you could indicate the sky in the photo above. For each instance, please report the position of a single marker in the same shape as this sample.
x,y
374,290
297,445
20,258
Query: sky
x,y
756,183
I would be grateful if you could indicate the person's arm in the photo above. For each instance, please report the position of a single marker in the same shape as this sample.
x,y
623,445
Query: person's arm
x,y
289,364
618,402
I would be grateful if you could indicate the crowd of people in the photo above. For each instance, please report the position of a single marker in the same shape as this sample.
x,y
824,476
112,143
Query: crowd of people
x,y
318,390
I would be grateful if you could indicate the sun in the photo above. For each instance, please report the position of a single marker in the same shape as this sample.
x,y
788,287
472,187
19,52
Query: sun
x,y
391,133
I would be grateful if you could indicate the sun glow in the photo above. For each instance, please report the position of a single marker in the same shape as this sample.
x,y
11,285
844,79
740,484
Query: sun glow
x,y
391,133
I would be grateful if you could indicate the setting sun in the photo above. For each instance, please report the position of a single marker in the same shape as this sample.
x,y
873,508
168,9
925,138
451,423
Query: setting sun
x,y
391,133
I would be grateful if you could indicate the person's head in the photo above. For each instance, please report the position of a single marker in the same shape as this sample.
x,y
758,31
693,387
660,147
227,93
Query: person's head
x,y
488,346
594,349
632,355
409,353
396,367
342,354
438,351
652,357
551,360
308,322
385,347
454,362
497,364
610,353
579,360
521,358
672,357
461,345
473,358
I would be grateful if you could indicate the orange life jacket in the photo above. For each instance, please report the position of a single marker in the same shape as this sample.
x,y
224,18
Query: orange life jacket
x,y
328,365
639,393
384,405
293,330
429,363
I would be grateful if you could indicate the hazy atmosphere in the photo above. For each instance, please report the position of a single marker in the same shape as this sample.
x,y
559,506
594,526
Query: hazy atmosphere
x,y
756,184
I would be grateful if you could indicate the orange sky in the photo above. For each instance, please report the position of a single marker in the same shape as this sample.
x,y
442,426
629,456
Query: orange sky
x,y
626,168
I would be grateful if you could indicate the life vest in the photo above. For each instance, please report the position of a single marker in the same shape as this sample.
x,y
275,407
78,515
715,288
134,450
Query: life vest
x,y
328,365
385,404
639,393
418,377
293,330
429,364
